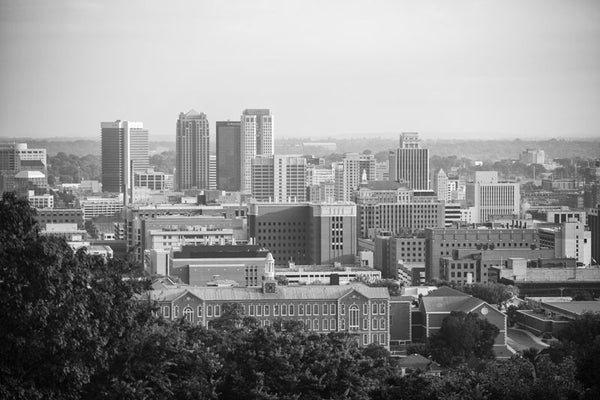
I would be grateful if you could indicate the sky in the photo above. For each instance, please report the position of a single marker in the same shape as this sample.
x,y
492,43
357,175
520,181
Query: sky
x,y
447,69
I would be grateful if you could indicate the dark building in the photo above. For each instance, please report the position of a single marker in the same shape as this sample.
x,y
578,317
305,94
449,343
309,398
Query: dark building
x,y
228,155
192,151
305,233
60,216
594,224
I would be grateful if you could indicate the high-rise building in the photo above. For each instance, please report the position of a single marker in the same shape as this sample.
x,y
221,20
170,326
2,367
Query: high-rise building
x,y
228,155
15,160
192,152
410,163
493,198
279,178
124,151
256,139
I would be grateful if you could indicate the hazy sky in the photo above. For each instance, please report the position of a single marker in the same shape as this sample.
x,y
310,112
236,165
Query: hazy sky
x,y
502,68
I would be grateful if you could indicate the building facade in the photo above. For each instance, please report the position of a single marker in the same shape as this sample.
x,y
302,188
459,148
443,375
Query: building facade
x,y
410,163
228,155
279,178
192,151
305,233
257,138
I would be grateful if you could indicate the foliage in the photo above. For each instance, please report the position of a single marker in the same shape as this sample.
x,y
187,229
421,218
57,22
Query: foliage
x,y
492,293
163,162
461,338
70,168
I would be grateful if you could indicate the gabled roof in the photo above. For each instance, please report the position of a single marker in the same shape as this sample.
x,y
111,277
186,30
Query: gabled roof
x,y
417,361
447,291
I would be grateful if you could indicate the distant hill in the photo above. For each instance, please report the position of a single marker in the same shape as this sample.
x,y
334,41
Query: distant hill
x,y
490,150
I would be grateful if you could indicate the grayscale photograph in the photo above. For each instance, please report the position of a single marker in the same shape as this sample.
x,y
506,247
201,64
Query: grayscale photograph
x,y
300,199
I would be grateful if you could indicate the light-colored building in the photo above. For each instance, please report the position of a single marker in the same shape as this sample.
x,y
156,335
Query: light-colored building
x,y
40,201
570,239
410,163
279,178
257,138
97,206
533,156
192,151
124,150
153,180
326,274
493,198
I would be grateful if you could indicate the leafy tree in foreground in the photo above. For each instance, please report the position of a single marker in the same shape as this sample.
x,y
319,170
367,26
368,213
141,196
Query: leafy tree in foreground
x,y
462,337
62,314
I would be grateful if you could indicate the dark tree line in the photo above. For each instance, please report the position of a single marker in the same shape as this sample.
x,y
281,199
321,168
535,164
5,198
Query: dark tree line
x,y
71,329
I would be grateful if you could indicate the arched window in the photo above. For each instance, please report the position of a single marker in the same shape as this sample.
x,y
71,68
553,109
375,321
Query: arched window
x,y
188,314
353,311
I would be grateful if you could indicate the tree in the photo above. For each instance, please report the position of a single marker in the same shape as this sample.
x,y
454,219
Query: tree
x,y
461,338
492,293
62,314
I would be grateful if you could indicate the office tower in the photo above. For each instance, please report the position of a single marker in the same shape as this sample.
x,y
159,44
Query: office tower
x,y
256,139
410,163
192,152
594,224
124,151
441,186
228,155
212,172
489,197
279,178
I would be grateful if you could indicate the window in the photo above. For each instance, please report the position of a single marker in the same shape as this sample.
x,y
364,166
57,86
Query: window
x,y
374,308
307,324
276,309
165,311
332,309
315,309
316,324
342,309
251,310
308,309
343,324
365,339
199,311
353,310
300,309
365,325
284,309
217,310
375,338
325,309
259,310
291,309
332,324
325,324
188,314
365,309
176,312
375,324
267,310
382,309
382,323
382,338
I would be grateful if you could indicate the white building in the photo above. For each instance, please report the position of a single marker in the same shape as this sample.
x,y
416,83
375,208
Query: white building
x,y
40,201
410,163
257,138
491,198
97,206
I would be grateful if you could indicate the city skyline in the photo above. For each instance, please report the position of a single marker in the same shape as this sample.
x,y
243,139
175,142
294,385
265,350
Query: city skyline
x,y
503,69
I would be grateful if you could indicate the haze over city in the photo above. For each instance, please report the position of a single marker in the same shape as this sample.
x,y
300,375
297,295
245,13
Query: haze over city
x,y
461,69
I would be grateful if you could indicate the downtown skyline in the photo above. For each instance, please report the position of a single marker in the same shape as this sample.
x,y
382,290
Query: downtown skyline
x,y
491,69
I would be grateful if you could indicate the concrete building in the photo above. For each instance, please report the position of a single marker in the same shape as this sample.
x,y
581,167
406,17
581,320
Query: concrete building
x,y
570,239
357,309
491,198
441,243
238,265
533,156
257,138
40,201
326,274
305,233
124,151
388,206
410,163
153,180
101,206
60,216
279,178
594,224
192,151
395,252
228,155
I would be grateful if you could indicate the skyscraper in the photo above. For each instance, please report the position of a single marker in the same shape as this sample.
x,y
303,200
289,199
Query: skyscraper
x,y
490,198
410,163
228,155
124,151
192,151
256,139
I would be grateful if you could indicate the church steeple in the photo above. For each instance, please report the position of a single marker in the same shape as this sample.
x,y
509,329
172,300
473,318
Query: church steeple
x,y
269,283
